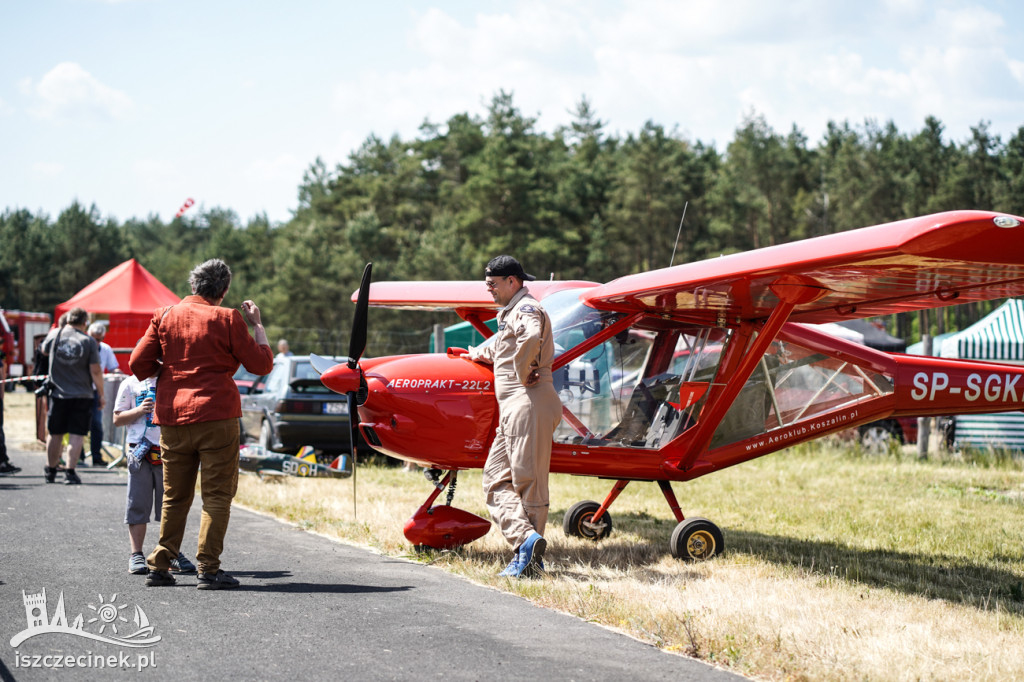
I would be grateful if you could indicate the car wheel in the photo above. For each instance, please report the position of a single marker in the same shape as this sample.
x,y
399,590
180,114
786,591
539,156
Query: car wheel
x,y
878,438
266,437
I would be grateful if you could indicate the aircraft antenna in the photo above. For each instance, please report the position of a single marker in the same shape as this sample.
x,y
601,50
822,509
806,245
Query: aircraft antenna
x,y
678,233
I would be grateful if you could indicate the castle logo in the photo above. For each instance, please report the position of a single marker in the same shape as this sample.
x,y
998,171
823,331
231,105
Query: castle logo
x,y
108,622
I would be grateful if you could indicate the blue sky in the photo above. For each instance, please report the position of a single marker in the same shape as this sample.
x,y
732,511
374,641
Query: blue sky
x,y
136,105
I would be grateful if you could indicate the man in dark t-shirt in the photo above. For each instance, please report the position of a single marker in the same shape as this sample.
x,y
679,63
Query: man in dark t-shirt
x,y
75,370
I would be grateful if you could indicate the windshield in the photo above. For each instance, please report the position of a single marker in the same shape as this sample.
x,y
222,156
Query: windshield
x,y
573,322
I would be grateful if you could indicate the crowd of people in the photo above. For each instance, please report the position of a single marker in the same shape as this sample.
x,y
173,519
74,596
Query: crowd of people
x,y
180,408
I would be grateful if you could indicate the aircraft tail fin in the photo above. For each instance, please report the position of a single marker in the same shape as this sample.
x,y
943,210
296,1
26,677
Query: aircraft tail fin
x,y
306,453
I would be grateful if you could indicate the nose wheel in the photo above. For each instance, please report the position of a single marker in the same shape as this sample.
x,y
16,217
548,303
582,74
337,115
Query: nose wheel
x,y
696,539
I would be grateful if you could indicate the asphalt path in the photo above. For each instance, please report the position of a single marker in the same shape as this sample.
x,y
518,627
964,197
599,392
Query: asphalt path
x,y
308,607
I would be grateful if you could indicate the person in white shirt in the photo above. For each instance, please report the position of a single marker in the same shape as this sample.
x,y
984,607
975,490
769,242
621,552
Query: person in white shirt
x,y
108,363
133,409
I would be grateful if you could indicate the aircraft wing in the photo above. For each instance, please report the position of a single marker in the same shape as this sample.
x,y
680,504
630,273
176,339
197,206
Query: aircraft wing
x,y
454,295
926,262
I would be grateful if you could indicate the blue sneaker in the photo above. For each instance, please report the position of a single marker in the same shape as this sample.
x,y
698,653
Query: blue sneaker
x,y
513,568
531,554
182,564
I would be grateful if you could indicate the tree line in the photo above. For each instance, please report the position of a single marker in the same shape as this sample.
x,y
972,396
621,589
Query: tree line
x,y
576,203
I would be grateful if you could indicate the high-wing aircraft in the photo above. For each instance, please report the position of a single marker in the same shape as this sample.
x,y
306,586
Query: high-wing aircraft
x,y
676,373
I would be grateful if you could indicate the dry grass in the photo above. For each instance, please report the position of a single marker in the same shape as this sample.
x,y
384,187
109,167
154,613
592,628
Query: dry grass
x,y
838,567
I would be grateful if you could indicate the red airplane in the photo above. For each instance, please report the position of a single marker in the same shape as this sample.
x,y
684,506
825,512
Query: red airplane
x,y
673,374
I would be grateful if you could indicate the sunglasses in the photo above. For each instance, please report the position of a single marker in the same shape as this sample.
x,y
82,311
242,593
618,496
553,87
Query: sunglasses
x,y
492,284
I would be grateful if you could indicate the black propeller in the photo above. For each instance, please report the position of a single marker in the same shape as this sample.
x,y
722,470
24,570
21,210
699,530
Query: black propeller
x,y
356,346
347,377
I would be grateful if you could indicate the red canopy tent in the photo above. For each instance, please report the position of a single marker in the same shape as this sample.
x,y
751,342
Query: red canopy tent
x,y
127,295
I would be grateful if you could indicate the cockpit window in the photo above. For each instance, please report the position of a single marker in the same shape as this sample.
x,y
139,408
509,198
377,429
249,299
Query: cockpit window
x,y
791,387
640,388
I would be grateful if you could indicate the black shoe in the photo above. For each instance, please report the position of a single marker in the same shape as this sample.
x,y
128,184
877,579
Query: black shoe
x,y
8,468
159,579
50,474
217,581
71,478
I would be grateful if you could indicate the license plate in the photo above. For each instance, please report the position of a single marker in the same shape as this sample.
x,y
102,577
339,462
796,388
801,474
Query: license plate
x,y
335,408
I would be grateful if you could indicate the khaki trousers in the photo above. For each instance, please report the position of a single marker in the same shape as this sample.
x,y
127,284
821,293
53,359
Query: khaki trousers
x,y
515,476
184,449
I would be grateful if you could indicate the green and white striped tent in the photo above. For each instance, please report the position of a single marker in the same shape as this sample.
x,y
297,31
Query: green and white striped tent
x,y
999,336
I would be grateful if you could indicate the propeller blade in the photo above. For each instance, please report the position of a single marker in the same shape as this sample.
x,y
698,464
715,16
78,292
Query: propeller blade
x,y
357,344
320,363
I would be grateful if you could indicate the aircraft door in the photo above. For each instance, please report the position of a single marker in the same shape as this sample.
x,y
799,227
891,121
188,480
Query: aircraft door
x,y
651,386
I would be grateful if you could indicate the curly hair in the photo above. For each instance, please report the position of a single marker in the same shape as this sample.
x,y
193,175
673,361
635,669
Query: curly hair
x,y
210,279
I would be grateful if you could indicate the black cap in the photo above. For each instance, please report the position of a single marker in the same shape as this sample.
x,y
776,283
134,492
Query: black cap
x,y
507,266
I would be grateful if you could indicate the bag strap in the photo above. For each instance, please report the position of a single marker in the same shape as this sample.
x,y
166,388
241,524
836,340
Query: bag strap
x,y
53,351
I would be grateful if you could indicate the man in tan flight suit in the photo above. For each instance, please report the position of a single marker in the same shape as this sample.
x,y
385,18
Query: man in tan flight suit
x,y
515,475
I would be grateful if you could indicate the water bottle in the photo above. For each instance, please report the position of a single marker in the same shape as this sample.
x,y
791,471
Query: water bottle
x,y
150,392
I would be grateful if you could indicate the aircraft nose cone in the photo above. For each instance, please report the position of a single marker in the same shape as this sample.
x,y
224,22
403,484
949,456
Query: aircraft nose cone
x,y
341,378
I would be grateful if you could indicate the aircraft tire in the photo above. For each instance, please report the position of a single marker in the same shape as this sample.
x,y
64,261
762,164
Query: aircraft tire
x,y
576,519
697,539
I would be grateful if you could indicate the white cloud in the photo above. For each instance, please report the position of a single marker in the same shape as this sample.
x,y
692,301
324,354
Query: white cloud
x,y
1017,69
69,92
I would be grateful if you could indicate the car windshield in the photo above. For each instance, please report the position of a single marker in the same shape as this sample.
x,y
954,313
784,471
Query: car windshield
x,y
305,379
241,374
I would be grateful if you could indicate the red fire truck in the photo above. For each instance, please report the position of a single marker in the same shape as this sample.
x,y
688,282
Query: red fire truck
x,y
18,329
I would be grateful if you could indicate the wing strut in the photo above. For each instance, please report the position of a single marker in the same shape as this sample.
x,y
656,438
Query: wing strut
x,y
790,295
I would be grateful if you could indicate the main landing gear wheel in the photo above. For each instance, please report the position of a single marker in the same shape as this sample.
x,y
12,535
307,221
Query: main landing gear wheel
x,y
579,521
697,539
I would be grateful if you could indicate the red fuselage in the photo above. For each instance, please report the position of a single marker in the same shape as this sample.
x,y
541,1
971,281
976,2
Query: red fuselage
x,y
439,410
